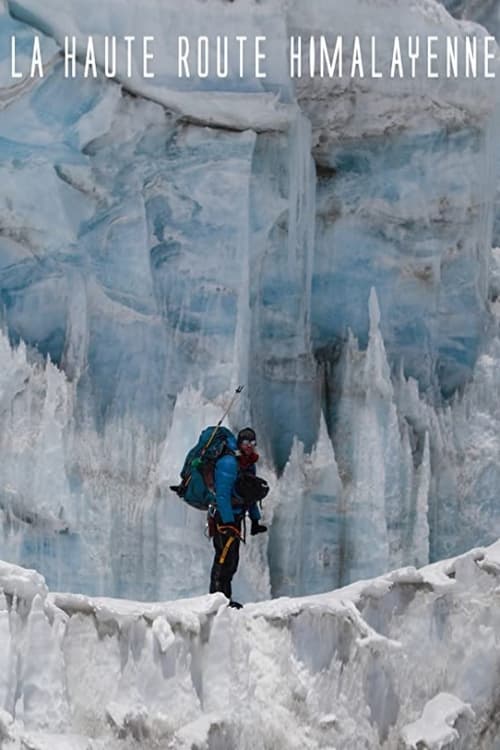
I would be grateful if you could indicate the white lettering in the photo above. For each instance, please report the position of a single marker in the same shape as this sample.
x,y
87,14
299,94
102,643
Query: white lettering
x,y
241,42
413,53
312,57
222,57
36,60
182,57
146,56
375,73
332,63
128,42
13,72
431,56
489,55
357,59
295,57
260,56
451,56
397,62
470,57
109,57
203,57
90,59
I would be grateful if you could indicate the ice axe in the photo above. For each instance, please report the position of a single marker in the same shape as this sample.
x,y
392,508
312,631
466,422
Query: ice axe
x,y
219,423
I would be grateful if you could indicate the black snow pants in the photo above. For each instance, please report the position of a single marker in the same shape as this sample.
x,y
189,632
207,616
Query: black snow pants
x,y
227,556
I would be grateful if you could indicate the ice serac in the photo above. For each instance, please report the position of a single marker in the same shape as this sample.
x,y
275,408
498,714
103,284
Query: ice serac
x,y
165,240
283,378
308,525
383,459
406,176
405,660
488,14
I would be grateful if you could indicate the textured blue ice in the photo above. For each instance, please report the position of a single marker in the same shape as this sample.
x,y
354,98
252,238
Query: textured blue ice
x,y
146,255
376,228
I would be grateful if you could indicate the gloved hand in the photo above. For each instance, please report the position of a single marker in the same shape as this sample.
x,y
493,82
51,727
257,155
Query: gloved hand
x,y
257,528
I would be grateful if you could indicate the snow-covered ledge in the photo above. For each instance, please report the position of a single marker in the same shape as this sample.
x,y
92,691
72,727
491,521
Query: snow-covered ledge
x,y
409,659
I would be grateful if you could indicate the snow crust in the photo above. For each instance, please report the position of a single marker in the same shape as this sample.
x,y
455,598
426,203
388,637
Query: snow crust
x,y
408,659
435,730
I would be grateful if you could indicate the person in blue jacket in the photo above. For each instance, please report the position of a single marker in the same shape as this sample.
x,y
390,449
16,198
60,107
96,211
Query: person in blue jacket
x,y
239,459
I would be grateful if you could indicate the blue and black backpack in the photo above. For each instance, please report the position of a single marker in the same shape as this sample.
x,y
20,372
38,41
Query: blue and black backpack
x,y
197,486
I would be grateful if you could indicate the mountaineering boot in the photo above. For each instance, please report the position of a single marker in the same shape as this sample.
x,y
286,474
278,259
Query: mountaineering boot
x,y
235,605
257,528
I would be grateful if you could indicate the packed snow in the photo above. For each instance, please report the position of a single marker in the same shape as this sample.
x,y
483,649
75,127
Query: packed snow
x,y
407,660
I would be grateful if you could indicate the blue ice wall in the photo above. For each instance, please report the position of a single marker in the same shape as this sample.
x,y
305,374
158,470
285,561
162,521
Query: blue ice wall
x,y
411,216
149,251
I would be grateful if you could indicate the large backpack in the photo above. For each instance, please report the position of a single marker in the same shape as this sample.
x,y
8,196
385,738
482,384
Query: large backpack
x,y
197,486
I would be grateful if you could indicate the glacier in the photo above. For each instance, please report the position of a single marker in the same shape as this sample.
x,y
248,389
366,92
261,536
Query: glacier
x,y
331,246
326,244
407,660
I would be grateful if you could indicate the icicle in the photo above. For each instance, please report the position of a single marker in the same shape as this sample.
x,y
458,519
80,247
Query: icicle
x,y
76,344
5,653
43,682
301,217
323,529
377,372
285,546
421,529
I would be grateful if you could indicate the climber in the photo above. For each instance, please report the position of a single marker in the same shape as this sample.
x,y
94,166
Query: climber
x,y
237,490
247,456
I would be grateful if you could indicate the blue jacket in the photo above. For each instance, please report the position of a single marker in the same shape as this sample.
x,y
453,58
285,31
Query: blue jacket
x,y
226,474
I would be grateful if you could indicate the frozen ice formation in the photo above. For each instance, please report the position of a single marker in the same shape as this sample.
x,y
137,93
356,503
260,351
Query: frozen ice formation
x,y
401,483
480,11
408,660
325,243
435,729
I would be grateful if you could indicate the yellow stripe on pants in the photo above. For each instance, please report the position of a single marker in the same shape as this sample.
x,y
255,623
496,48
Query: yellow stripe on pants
x,y
226,550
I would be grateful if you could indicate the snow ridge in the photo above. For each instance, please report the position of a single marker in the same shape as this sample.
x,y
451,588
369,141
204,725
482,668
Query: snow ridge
x,y
408,660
